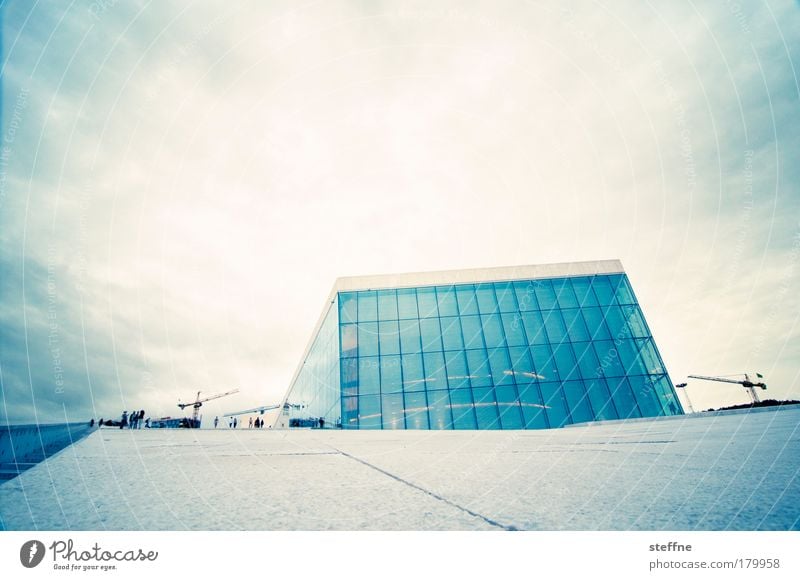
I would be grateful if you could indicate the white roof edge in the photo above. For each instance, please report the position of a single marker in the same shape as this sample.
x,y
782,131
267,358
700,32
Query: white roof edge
x,y
494,274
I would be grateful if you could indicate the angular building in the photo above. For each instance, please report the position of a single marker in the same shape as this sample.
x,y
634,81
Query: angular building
x,y
529,347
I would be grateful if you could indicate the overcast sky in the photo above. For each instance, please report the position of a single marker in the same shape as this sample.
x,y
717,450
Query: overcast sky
x,y
182,182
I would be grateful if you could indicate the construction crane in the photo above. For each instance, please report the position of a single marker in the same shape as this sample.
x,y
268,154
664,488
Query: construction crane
x,y
198,402
746,383
262,410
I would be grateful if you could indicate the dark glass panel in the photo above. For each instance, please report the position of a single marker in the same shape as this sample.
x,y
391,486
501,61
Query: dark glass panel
x,y
556,331
367,306
595,323
509,408
532,407
446,300
505,297
635,321
603,291
493,331
387,305
526,296
608,356
348,307
407,302
471,327
522,364
368,338
463,409
393,412
349,376
576,328
650,358
431,334
588,365
565,296
413,373
669,400
545,294
623,398
349,340
515,334
435,371
616,322
416,411
439,410
369,381
409,336
426,297
555,404
451,333
565,362
486,408
583,291
457,372
467,304
369,412
479,373
487,303
500,365
629,357
534,327
623,292
600,398
389,337
349,412
644,391
580,410
544,363
391,375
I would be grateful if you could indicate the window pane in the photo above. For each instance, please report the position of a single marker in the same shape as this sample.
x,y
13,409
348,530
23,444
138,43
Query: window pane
x,y
556,405
576,328
407,302
367,306
629,357
471,326
467,304
387,305
463,411
565,296
579,409
522,365
512,325
451,333
583,291
349,340
487,303
391,377
446,300
389,337
349,376
534,327
669,400
505,297
493,331
416,411
393,412
369,412
533,411
500,365
544,363
565,362
457,373
349,412
413,375
478,364
603,291
409,336
368,338
526,296
435,371
486,408
368,376
616,322
348,307
595,324
623,293
608,356
588,365
644,391
508,407
635,321
431,334
426,297
649,356
439,410
545,294
623,398
556,332
600,399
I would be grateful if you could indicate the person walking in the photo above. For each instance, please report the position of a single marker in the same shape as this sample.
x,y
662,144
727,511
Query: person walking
x,y
250,424
124,421
235,421
216,422
141,418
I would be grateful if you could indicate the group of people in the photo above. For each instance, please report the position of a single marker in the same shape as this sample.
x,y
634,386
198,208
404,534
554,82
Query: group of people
x,y
133,421
233,423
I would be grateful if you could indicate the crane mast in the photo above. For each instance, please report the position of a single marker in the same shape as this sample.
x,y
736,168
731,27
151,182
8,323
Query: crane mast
x,y
198,402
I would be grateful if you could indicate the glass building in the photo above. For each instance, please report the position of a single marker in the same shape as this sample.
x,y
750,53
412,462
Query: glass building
x,y
530,347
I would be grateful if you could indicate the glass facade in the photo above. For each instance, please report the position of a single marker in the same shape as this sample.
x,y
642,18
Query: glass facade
x,y
521,354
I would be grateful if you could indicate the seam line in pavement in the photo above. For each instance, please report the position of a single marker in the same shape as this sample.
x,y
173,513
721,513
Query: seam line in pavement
x,y
489,521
